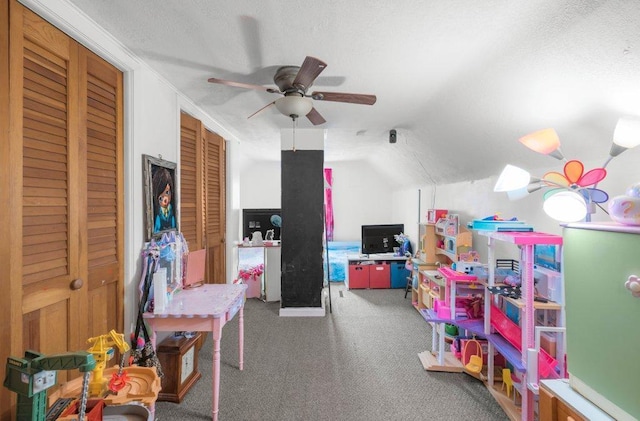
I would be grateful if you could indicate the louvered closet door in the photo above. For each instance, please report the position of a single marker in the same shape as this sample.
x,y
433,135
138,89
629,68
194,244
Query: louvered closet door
x,y
215,225
67,205
101,103
52,264
191,186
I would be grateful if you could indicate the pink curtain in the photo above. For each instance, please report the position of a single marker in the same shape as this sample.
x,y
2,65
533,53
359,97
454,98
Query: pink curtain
x,y
328,202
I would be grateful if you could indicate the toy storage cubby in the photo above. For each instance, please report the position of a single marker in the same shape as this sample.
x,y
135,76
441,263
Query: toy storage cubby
x,y
364,275
373,272
418,284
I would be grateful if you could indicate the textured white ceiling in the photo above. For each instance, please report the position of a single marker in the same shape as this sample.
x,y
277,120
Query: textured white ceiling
x,y
460,81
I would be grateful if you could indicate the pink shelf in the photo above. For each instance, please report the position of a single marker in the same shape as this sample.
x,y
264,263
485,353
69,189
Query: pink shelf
x,y
526,237
452,275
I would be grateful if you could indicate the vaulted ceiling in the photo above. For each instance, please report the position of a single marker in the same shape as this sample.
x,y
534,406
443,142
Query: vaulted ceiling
x,y
460,80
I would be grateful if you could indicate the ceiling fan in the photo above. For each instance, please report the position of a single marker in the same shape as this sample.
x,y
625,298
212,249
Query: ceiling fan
x,y
293,83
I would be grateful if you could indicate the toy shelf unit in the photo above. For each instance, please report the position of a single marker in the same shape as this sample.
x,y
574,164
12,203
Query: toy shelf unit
x,y
444,241
425,290
450,298
522,340
451,238
447,297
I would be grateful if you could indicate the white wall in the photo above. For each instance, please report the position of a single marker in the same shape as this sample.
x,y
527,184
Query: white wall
x,y
260,185
361,196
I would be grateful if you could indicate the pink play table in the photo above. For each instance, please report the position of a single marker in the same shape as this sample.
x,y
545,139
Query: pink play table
x,y
204,309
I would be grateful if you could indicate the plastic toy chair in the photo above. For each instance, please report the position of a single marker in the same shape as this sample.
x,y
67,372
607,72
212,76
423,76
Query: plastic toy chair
x,y
506,380
473,360
409,286
474,365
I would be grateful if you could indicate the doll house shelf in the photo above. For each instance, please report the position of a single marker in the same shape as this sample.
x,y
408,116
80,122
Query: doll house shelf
x,y
514,342
519,342
440,245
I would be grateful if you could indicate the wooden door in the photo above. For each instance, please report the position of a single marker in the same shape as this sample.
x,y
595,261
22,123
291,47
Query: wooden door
x,y
191,182
102,132
215,181
62,184
48,256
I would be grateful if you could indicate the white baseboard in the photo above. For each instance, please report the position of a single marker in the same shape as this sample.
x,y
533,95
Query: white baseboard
x,y
305,311
302,312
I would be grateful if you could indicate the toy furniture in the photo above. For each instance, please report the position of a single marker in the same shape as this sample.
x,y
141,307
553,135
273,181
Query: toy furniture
x,y
515,342
506,381
443,241
474,365
205,309
472,354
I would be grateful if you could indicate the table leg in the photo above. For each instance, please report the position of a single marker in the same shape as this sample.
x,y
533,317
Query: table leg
x,y
217,333
241,338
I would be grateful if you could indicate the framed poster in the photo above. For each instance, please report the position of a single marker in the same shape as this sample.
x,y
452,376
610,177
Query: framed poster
x,y
160,196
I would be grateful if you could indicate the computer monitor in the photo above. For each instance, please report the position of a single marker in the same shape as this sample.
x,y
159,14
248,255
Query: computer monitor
x,y
380,238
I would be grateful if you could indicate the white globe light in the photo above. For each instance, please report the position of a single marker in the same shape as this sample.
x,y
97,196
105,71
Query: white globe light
x,y
294,105
566,206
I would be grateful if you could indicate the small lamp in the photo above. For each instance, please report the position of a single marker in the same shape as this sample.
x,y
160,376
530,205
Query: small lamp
x,y
544,141
568,196
625,136
512,178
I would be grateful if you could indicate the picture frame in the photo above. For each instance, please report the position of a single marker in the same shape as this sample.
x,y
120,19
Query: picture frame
x,y
161,213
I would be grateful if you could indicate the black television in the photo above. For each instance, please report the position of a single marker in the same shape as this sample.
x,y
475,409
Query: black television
x,y
261,220
380,238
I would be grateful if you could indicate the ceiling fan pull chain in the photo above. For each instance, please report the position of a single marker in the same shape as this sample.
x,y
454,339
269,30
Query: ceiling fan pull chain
x,y
294,133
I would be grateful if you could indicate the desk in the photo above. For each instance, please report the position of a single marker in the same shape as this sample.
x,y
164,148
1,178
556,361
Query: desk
x,y
270,256
204,309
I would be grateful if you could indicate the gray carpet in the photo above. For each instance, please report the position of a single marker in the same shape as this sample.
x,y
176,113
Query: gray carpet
x,y
358,363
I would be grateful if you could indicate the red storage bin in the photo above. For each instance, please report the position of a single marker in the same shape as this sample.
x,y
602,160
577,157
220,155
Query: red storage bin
x,y
380,275
358,276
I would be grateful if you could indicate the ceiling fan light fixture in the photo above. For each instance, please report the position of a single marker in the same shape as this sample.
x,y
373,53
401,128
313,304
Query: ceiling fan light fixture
x,y
294,106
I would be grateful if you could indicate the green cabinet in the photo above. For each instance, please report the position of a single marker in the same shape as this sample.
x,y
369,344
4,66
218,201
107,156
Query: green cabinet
x,y
602,316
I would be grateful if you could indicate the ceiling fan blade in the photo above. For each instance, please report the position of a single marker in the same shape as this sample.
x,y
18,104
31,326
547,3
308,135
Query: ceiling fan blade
x,y
344,97
315,118
261,109
309,71
243,85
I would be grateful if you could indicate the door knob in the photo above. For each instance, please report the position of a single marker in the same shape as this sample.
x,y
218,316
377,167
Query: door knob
x,y
76,284
633,285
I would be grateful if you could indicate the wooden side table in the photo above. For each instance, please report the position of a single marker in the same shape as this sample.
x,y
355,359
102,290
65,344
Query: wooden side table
x,y
179,360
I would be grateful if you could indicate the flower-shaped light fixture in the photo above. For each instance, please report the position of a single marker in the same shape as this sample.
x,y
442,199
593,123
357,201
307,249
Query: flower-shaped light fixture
x,y
570,196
